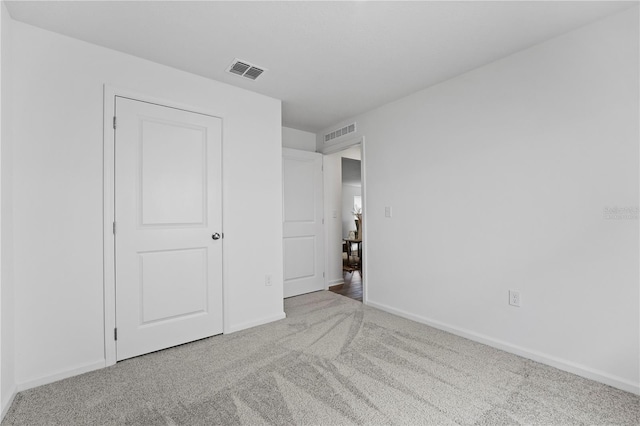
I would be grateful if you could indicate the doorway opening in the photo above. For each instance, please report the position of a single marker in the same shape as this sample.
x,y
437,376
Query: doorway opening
x,y
344,208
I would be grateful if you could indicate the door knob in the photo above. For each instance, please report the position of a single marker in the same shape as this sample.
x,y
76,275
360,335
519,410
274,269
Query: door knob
x,y
216,236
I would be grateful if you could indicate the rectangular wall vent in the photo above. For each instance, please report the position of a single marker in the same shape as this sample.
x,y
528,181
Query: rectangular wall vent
x,y
350,128
245,69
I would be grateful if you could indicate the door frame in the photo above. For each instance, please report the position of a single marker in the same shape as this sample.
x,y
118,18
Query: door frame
x,y
109,280
332,149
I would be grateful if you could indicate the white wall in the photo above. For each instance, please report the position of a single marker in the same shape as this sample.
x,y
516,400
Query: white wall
x,y
298,139
57,104
333,212
498,180
7,347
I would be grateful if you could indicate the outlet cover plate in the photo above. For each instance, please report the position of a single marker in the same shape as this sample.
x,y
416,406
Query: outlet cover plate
x,y
514,298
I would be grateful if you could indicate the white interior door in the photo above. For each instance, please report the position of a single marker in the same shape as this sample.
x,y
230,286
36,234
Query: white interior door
x,y
302,222
167,208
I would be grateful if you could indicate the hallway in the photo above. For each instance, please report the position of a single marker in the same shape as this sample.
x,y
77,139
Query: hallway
x,y
352,287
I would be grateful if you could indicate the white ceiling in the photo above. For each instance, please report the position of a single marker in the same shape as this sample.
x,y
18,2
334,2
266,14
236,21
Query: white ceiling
x,y
327,61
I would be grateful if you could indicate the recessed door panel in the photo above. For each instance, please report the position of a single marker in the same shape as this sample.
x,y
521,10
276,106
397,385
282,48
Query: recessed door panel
x,y
299,255
299,185
173,173
173,284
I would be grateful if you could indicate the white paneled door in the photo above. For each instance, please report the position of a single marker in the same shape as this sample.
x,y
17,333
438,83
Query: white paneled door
x,y
168,213
302,222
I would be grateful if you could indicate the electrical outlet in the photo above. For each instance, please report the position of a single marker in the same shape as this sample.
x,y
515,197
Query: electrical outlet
x,y
514,298
267,280
387,211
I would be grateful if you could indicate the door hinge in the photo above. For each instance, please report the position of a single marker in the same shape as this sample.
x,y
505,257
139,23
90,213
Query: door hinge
x,y
114,122
115,334
114,228
323,275
323,220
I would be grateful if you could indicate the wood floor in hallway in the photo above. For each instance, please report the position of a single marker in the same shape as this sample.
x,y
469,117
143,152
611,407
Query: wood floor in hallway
x,y
352,286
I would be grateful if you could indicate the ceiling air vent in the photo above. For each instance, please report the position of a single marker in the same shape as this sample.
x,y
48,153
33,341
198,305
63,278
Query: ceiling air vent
x,y
351,128
245,69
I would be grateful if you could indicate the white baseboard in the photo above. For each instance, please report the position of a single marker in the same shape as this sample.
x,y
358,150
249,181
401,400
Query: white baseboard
x,y
255,323
561,364
60,375
7,401
337,281
64,374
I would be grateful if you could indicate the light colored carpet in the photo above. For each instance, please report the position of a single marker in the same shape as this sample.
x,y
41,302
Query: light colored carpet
x,y
333,361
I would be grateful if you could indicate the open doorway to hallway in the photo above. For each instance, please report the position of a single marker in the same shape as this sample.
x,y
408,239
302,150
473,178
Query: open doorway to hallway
x,y
352,286
343,207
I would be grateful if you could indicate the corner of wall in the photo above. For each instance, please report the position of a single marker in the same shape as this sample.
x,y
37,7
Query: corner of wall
x,y
298,139
7,400
7,346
